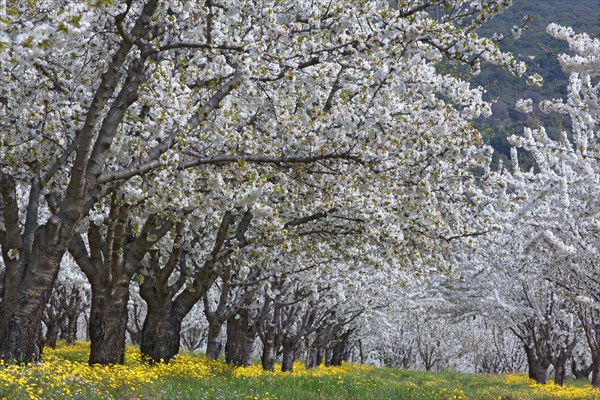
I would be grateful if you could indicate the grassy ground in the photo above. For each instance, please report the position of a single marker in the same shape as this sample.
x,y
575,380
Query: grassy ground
x,y
63,374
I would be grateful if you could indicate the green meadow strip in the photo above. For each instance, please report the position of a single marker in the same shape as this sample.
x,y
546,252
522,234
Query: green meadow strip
x,y
64,374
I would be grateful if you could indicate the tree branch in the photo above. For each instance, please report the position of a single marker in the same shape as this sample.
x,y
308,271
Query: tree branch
x,y
141,166
281,160
105,88
12,237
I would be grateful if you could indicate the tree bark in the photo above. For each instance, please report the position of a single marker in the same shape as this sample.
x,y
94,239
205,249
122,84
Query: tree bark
x,y
328,355
541,375
25,296
339,349
235,348
559,374
312,358
596,373
287,361
51,335
532,362
360,351
319,357
269,354
559,361
108,323
338,353
160,333
72,328
213,343
249,348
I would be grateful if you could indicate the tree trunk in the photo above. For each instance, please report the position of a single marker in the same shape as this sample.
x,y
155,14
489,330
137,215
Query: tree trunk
x,y
541,375
72,320
338,352
20,327
360,352
108,323
328,355
560,361
269,342
213,344
51,335
339,349
249,349
596,373
312,360
532,362
268,355
319,357
287,362
235,349
160,333
27,289
559,374
62,333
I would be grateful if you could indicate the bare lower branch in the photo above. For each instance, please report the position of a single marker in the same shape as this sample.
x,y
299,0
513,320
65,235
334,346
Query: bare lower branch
x,y
78,250
31,218
12,238
309,218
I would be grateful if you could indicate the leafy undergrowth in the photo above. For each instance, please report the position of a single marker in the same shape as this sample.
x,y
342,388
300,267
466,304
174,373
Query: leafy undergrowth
x,y
64,374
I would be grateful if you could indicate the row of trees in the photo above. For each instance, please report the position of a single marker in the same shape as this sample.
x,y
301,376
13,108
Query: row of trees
x,y
180,144
537,272
294,169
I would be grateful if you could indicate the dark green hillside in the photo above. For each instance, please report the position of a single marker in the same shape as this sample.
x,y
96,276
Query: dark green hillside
x,y
539,51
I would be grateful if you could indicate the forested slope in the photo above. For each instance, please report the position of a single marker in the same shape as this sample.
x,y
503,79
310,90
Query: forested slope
x,y
539,51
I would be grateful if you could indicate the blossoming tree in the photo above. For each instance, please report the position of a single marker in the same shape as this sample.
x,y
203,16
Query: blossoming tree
x,y
96,93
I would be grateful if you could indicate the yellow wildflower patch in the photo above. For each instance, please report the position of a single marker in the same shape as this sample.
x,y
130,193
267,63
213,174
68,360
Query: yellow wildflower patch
x,y
552,391
65,374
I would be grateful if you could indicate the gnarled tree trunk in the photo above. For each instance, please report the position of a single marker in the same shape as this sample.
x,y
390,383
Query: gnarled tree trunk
x,y
532,362
114,257
160,333
339,348
559,374
72,320
235,348
108,323
289,355
213,342
162,328
268,355
52,335
559,360
25,295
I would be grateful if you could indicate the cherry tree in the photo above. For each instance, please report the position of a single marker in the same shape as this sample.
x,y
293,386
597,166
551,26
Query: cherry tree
x,y
565,209
544,243
96,94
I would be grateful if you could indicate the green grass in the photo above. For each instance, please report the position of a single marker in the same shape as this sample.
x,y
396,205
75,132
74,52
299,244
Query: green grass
x,y
63,374
377,383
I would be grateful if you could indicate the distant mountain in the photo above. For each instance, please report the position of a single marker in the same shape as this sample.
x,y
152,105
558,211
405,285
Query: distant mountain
x,y
539,51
